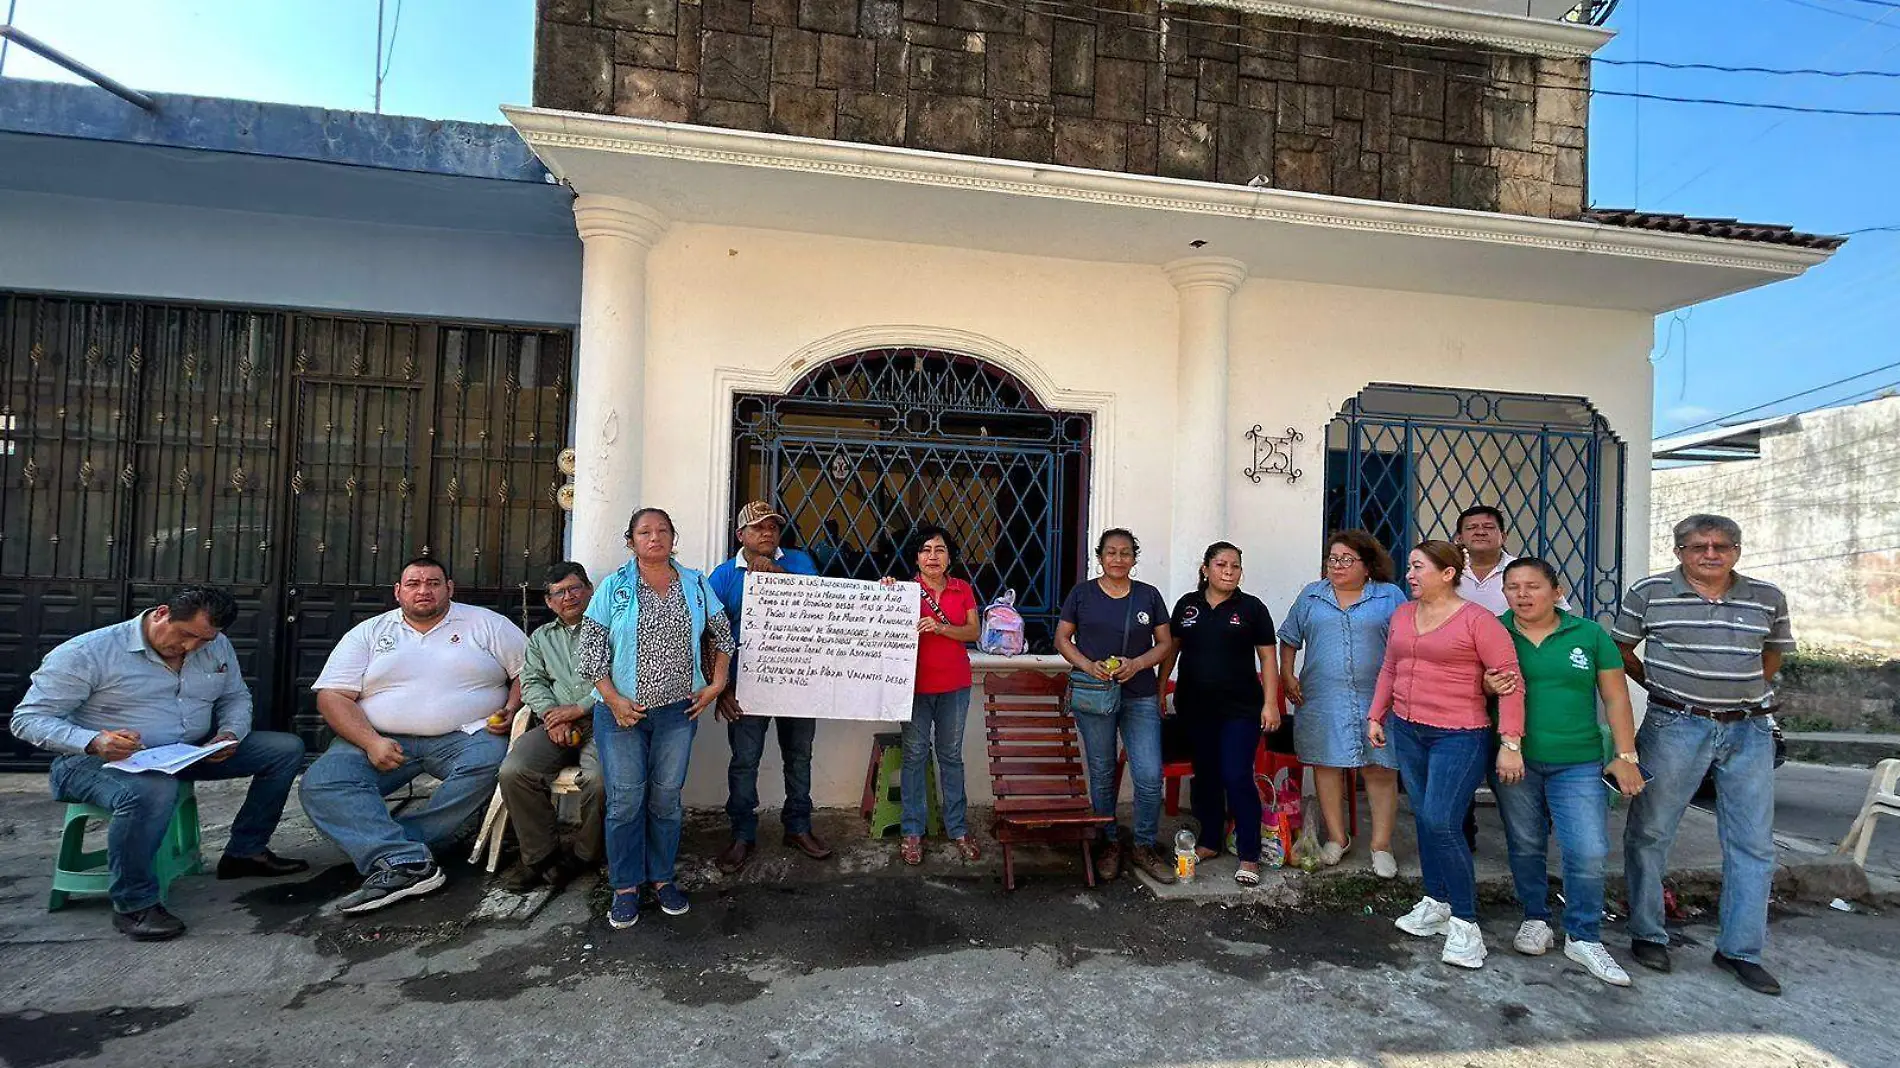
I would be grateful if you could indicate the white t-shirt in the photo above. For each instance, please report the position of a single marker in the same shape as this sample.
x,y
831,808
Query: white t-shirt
x,y
1489,590
451,678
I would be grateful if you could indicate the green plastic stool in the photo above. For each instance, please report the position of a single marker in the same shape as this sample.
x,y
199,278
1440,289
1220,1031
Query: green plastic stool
x,y
78,871
887,797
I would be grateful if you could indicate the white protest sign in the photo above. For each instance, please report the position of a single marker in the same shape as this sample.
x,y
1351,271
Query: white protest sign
x,y
827,648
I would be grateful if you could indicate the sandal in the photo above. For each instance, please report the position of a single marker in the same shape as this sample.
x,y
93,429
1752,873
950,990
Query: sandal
x,y
968,847
1247,877
912,850
1205,853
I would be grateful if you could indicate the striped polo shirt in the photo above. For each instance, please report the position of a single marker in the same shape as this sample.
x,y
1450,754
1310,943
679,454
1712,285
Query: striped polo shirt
x,y
1702,652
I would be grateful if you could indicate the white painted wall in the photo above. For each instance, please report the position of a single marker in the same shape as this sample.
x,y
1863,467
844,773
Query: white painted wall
x,y
1820,518
745,310
161,251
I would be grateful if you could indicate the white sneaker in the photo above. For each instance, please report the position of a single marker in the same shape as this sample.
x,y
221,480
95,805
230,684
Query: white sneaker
x,y
1597,961
1384,864
1464,944
1533,938
1427,918
1330,853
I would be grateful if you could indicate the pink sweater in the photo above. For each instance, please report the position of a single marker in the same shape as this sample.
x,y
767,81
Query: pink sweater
x,y
1438,680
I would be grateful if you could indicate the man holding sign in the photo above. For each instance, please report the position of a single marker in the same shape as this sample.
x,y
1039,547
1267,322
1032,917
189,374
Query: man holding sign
x,y
760,527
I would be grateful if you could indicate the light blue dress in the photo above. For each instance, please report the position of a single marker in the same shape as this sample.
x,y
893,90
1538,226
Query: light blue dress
x,y
1343,651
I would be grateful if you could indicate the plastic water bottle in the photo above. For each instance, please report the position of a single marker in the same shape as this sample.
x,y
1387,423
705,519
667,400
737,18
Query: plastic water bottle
x,y
1184,857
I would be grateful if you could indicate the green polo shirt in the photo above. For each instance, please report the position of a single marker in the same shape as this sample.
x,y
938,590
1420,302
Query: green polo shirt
x,y
1560,689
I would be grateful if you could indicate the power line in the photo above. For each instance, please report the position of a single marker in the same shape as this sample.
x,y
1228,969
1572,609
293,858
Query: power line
x,y
1755,105
1810,71
1789,397
1839,14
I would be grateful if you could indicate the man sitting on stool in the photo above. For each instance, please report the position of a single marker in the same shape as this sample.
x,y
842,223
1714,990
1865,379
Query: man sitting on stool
x,y
167,675
563,703
406,692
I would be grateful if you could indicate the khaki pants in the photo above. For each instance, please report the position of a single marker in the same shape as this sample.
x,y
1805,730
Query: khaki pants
x,y
526,775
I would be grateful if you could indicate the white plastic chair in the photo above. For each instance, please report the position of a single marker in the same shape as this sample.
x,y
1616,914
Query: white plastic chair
x,y
1883,799
495,822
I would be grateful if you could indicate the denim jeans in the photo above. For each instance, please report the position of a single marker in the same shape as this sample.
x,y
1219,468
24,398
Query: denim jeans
x,y
1678,749
943,716
644,767
343,794
747,736
1223,784
1440,768
141,805
1139,721
1572,800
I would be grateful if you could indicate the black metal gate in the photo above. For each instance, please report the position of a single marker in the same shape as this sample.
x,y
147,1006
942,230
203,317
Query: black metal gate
x,y
1403,461
295,459
864,448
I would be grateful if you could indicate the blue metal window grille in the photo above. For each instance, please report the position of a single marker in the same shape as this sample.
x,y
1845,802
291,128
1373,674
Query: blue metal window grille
x,y
865,448
1403,461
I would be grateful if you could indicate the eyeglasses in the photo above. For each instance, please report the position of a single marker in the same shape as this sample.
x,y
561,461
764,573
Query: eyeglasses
x,y
1697,548
1341,561
563,593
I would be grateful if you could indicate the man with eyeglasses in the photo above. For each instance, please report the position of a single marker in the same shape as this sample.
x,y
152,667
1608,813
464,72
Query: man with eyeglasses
x,y
563,735
1713,639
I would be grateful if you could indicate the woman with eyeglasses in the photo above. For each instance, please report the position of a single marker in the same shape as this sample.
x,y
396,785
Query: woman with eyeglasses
x,y
1339,623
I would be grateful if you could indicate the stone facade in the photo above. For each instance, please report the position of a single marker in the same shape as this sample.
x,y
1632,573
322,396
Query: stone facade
x,y
1180,90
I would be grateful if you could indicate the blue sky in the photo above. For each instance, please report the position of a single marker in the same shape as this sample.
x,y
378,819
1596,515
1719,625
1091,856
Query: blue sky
x,y
460,58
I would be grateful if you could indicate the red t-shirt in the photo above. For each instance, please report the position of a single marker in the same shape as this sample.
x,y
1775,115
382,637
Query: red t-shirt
x,y
943,664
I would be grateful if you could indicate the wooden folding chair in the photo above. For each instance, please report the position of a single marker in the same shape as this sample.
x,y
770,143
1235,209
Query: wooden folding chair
x,y
1036,768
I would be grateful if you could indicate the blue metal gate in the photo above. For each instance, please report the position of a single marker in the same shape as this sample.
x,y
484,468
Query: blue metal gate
x,y
863,449
1403,461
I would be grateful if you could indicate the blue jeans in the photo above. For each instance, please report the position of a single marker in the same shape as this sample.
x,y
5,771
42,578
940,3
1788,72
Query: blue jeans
x,y
343,794
644,767
1223,784
747,736
942,715
1571,799
1441,767
1139,721
141,805
1679,749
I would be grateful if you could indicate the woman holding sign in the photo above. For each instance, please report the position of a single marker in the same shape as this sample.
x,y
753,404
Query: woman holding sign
x,y
655,677
947,622
1113,631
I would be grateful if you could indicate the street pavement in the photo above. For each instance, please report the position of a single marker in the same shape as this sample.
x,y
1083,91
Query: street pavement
x,y
862,961
1815,805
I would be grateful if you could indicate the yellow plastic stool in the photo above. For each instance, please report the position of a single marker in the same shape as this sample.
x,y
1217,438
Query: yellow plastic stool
x,y
79,871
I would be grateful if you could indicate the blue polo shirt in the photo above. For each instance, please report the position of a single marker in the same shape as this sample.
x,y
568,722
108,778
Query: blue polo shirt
x,y
728,580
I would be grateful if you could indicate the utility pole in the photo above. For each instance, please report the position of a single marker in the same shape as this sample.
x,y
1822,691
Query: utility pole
x,y
379,57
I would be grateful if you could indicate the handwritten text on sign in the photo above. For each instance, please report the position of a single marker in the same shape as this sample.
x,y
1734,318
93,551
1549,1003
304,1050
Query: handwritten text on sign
x,y
827,648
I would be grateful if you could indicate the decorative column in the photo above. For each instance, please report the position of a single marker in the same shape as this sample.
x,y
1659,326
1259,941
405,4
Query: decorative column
x,y
1204,285
610,384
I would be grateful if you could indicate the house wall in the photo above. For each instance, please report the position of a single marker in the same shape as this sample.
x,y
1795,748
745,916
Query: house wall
x,y
744,311
1820,518
1183,90
164,251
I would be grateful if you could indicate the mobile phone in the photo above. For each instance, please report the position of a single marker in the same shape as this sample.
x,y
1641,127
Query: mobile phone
x,y
1611,782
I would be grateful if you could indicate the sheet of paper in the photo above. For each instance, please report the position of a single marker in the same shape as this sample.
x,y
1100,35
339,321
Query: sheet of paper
x,y
828,648
169,759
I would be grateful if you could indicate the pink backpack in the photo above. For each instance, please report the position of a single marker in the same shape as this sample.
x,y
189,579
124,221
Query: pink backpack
x,y
1002,628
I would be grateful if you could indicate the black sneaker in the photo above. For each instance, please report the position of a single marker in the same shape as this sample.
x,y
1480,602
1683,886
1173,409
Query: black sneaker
x,y
149,924
390,883
1651,955
1749,974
